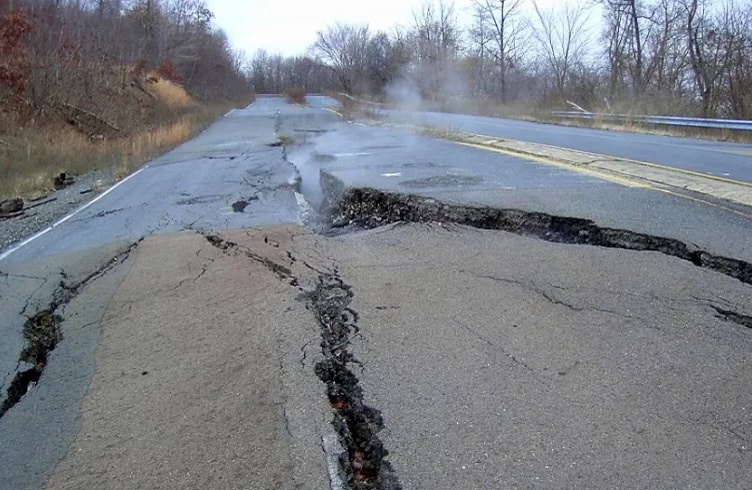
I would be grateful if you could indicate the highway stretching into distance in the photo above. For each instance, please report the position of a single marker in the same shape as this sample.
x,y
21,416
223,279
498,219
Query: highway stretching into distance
x,y
215,330
730,160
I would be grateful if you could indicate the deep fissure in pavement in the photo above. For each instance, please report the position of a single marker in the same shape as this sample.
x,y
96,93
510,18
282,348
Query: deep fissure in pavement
x,y
363,463
356,423
371,208
42,334
732,316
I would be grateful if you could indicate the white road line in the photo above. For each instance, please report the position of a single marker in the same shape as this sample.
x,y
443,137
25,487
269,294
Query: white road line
x,y
66,218
230,112
332,448
356,154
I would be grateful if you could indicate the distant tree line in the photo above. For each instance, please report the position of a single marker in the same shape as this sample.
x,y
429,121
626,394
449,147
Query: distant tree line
x,y
653,56
58,52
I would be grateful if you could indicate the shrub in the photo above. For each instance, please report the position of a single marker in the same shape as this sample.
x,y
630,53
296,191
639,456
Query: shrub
x,y
296,96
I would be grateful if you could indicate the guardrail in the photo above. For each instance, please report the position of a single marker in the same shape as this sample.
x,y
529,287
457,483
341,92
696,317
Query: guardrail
x,y
695,122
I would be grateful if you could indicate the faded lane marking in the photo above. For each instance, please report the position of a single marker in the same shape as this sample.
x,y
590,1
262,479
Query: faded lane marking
x,y
66,218
334,111
554,163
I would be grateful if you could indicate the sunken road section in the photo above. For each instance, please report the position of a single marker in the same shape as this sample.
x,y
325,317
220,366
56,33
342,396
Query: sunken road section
x,y
371,208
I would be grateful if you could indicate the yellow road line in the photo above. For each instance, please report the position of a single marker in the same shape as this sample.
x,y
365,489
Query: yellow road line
x,y
604,175
613,176
703,201
567,166
334,111
603,157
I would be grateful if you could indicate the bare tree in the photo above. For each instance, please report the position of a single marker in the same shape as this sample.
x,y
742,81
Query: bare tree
x,y
343,48
739,89
709,45
562,36
645,49
436,45
480,40
500,15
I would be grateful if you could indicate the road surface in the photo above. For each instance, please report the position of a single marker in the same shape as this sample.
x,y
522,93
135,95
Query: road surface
x,y
731,160
203,324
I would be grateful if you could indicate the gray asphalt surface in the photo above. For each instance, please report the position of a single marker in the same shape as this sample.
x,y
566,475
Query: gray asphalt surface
x,y
359,155
500,361
191,187
641,326
730,160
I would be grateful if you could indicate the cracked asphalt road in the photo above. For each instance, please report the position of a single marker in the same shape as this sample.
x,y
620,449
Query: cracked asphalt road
x,y
501,361
474,358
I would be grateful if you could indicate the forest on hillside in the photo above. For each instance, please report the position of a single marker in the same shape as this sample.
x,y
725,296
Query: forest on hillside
x,y
106,84
683,57
93,55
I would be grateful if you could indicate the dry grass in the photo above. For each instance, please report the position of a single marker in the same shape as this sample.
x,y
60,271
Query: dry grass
x,y
296,96
171,94
31,159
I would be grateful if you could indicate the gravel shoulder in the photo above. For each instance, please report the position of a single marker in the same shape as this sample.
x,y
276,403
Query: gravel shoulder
x,y
49,208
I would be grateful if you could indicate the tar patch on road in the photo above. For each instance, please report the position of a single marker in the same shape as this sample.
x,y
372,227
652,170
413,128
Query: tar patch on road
x,y
449,180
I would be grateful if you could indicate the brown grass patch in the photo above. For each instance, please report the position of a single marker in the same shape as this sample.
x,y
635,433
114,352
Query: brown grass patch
x,y
296,96
171,94
30,159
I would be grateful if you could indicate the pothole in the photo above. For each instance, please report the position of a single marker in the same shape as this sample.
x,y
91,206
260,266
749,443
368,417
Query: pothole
x,y
240,205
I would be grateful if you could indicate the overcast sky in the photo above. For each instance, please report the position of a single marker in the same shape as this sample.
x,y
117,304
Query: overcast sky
x,y
289,27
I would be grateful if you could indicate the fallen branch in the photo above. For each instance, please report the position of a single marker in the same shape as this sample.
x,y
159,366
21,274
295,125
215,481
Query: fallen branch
x,y
41,203
579,108
12,215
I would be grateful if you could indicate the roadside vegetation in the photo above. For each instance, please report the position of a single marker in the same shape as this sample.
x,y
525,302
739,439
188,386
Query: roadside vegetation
x,y
516,59
106,84
89,84
296,95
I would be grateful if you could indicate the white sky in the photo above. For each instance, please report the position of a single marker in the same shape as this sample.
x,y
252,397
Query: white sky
x,y
289,27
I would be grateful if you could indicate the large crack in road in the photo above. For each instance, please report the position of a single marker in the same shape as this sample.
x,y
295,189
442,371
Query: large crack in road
x,y
42,332
371,208
356,423
363,465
